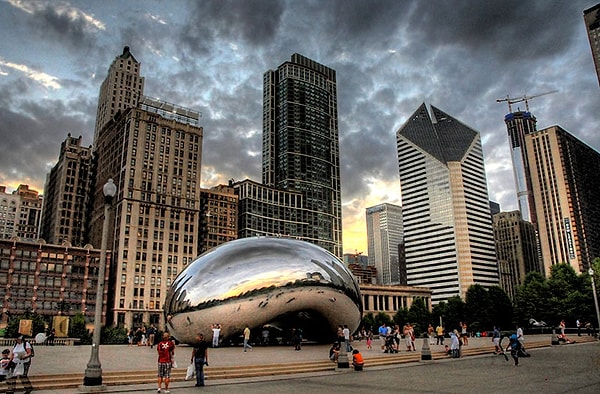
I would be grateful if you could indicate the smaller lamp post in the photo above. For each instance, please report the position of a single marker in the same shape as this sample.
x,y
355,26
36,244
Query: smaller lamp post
x,y
93,372
591,272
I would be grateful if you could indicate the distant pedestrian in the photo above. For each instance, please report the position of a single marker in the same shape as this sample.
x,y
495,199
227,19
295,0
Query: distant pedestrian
x,y
369,340
514,346
454,344
464,333
346,333
431,334
578,323
496,340
382,331
247,339
151,335
200,358
166,352
439,330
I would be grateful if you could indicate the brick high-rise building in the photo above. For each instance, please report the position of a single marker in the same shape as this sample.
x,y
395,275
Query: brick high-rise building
x,y
516,248
20,213
122,88
153,152
66,210
565,174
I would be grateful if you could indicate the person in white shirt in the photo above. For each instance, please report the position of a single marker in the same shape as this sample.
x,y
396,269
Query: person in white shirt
x,y
21,356
520,337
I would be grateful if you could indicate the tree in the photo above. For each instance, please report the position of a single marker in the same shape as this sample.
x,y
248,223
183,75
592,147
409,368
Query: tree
x,y
531,299
419,315
500,310
77,329
477,308
454,313
37,321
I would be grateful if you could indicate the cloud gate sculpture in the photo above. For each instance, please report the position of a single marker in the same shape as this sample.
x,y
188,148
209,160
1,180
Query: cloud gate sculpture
x,y
280,282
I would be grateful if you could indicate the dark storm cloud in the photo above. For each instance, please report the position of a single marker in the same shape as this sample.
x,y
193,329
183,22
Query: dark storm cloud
x,y
255,22
31,138
52,23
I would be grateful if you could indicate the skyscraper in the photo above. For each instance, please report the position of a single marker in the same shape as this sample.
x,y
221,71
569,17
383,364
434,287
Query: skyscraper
x,y
384,240
66,195
591,17
20,213
516,248
519,124
448,235
301,144
122,88
153,152
565,174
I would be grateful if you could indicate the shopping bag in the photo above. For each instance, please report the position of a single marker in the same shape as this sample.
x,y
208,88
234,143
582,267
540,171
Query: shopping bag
x,y
191,372
174,364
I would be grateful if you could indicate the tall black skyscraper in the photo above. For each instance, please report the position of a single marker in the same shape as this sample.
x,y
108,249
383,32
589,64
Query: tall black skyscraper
x,y
301,144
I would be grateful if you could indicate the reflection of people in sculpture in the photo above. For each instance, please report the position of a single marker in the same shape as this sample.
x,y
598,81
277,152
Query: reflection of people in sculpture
x,y
216,329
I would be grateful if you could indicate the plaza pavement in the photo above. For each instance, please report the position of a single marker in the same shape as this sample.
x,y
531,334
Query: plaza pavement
x,y
122,358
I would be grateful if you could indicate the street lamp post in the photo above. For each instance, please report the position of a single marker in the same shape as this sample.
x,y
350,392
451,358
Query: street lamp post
x,y
93,372
591,272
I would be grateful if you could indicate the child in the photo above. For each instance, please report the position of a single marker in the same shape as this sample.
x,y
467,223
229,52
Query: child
x,y
369,340
4,365
357,360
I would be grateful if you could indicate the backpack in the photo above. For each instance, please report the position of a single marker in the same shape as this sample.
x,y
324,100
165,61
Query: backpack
x,y
31,346
514,343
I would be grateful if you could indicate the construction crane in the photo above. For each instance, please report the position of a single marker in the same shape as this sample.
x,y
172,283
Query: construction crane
x,y
514,100
355,255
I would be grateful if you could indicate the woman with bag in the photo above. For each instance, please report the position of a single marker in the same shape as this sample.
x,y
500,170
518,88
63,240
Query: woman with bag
x,y
200,358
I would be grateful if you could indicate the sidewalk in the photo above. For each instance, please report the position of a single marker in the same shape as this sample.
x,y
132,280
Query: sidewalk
x,y
122,358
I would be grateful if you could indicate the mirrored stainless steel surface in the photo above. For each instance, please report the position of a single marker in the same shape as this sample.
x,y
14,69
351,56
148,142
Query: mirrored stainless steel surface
x,y
286,283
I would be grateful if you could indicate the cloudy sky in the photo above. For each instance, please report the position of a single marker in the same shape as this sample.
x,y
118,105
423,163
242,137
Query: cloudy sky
x,y
390,56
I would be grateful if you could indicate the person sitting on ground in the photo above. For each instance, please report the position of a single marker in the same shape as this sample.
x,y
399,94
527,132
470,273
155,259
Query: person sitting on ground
x,y
357,360
447,350
334,352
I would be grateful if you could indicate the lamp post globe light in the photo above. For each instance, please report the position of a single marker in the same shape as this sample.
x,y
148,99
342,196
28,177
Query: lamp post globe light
x,y
591,272
93,372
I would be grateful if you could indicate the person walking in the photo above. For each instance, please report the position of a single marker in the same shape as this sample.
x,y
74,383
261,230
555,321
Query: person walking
x,y
151,334
21,357
464,333
166,352
496,340
514,346
247,339
200,358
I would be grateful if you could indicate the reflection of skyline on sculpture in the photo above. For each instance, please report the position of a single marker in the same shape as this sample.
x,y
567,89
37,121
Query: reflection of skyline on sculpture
x,y
256,281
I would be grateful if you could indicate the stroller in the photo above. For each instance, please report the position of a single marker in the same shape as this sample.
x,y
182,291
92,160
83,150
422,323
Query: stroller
x,y
390,345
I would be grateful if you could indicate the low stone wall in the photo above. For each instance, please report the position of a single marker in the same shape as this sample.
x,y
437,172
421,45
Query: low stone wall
x,y
8,342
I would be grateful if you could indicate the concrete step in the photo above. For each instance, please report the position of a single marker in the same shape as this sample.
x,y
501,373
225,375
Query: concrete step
x,y
114,378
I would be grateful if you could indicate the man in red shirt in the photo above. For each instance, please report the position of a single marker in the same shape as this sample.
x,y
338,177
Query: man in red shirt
x,y
166,351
